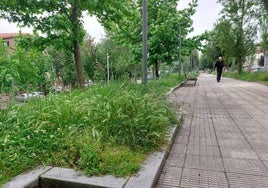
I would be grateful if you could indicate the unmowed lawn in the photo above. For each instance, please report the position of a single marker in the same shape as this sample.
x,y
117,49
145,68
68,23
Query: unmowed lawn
x,y
261,77
103,129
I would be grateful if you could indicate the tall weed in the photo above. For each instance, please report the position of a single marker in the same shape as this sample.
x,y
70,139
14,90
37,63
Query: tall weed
x,y
101,129
248,76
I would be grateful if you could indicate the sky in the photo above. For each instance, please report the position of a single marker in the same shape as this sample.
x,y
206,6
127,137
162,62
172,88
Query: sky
x,y
204,19
205,16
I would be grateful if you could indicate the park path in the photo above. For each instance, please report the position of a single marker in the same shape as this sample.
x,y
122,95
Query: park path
x,y
223,141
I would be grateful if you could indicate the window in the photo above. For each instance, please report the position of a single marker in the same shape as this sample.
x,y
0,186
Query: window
x,y
6,43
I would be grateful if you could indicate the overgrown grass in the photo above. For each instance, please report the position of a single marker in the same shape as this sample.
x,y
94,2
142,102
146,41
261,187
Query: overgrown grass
x,y
100,130
248,76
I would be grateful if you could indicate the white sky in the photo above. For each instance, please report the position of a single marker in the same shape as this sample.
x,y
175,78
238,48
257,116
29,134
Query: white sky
x,y
204,19
205,16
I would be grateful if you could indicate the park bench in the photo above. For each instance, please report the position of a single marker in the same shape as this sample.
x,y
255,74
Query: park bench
x,y
190,77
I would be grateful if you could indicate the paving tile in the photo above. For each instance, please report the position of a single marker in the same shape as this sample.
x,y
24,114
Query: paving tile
x,y
266,163
247,181
204,162
170,176
181,139
229,135
175,160
245,166
258,144
202,140
234,143
254,130
261,137
179,148
215,105
262,153
231,106
193,178
184,130
222,127
250,126
204,150
238,153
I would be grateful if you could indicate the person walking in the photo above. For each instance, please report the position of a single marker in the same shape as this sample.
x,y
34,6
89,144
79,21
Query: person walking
x,y
219,65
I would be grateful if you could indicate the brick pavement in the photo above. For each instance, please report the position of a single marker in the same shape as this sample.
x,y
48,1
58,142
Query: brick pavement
x,y
223,141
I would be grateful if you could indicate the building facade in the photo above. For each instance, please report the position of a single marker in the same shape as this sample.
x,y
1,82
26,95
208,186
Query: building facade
x,y
9,40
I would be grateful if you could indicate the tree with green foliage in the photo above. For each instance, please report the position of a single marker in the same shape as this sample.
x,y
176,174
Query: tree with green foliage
x,y
60,21
265,3
26,68
3,50
88,54
120,60
126,32
263,20
164,21
9,69
8,73
240,17
224,40
34,69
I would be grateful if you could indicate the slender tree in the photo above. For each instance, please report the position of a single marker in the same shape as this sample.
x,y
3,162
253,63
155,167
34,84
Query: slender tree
x,y
60,21
241,15
88,52
164,21
263,20
3,50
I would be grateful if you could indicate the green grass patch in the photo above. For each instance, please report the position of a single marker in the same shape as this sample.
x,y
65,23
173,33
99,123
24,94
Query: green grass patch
x,y
248,76
103,129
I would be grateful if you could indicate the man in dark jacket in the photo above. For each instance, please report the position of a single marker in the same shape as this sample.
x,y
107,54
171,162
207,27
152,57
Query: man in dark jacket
x,y
219,65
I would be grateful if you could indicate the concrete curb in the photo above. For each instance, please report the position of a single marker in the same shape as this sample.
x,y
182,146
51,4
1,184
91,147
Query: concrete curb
x,y
176,87
27,180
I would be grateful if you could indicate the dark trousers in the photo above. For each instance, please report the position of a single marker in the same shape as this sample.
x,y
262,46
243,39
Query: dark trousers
x,y
219,72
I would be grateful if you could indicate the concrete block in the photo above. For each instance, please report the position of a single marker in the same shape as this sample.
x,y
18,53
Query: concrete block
x,y
28,179
69,178
149,172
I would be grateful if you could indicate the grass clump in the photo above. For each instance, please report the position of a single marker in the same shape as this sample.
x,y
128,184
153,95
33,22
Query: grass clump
x,y
100,130
248,76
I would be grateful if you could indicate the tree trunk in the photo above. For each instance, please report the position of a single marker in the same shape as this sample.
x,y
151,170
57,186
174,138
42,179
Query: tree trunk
x,y
156,70
76,46
78,64
239,65
266,60
153,71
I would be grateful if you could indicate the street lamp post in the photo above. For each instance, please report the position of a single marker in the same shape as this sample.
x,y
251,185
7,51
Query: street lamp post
x,y
179,64
108,69
144,40
13,87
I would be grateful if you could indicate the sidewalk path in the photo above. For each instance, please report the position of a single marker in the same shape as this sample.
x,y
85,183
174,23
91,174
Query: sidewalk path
x,y
223,141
